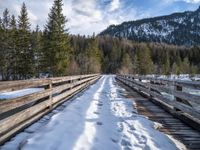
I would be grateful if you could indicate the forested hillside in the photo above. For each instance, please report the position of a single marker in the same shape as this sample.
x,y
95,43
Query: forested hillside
x,y
178,28
53,51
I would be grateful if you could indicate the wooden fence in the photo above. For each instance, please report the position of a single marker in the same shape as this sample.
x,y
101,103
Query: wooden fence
x,y
184,105
18,113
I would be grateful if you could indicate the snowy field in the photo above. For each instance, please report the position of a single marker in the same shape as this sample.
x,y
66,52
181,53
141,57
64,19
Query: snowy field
x,y
98,119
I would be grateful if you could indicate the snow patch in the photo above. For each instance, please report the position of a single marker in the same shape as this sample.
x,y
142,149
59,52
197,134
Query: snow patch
x,y
19,93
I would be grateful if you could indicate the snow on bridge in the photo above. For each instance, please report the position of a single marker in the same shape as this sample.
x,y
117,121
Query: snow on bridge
x,y
100,118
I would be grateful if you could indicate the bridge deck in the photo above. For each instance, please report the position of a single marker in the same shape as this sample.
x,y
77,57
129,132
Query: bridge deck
x,y
170,124
103,117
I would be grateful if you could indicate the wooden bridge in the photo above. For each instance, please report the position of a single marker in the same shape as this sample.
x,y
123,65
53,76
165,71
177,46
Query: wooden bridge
x,y
167,102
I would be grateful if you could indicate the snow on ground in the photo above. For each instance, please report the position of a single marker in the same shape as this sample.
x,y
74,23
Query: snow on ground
x,y
19,93
99,119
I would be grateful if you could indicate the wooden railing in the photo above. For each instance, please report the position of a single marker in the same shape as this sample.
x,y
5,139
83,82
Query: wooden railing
x,y
18,113
182,103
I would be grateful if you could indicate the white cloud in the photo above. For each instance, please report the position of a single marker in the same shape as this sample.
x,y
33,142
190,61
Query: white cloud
x,y
33,18
192,1
86,8
88,16
113,21
114,5
84,16
187,1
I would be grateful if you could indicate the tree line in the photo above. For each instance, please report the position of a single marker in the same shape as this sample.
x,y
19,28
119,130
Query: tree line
x,y
117,55
130,57
26,53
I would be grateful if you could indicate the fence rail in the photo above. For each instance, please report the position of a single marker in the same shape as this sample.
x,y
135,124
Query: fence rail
x,y
182,103
20,112
184,83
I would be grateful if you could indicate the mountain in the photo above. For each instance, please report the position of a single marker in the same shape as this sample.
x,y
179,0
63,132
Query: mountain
x,y
178,28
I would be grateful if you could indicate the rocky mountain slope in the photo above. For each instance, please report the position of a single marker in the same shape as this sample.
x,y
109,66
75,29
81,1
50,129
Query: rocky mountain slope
x,y
178,28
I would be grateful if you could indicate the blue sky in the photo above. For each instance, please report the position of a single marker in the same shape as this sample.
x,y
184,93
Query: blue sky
x,y
88,16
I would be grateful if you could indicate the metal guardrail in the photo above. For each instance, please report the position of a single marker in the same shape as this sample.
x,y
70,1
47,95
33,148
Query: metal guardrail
x,y
18,113
182,104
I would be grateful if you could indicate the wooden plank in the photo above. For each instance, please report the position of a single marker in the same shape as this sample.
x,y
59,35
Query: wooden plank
x,y
8,105
71,85
7,123
18,85
6,86
71,78
7,135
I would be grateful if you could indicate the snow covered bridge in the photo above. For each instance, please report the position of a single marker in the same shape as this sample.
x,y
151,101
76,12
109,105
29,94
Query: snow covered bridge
x,y
108,115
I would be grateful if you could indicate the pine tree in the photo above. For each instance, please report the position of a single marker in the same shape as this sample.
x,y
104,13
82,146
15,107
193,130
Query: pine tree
x,y
174,68
127,65
36,46
145,63
13,45
6,19
193,70
23,20
57,47
6,51
24,51
185,66
73,68
179,64
1,26
1,48
166,64
94,57
135,64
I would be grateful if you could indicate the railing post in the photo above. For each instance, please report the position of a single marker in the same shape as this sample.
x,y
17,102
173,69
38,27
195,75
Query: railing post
x,y
149,89
180,88
51,94
71,83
